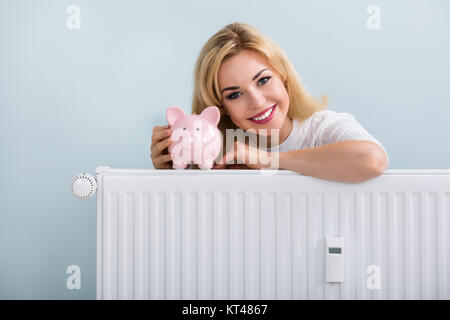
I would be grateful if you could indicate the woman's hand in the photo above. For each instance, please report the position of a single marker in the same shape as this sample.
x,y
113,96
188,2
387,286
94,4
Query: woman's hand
x,y
251,158
158,150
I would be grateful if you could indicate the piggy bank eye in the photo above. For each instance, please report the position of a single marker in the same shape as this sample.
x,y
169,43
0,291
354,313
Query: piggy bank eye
x,y
184,128
198,129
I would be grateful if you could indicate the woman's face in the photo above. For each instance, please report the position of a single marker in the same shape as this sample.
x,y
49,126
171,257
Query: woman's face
x,y
250,89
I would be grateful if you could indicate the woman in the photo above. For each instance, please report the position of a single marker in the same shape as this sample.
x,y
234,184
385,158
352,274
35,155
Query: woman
x,y
256,88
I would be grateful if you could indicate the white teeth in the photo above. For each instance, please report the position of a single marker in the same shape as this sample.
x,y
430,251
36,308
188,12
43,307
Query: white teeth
x,y
265,115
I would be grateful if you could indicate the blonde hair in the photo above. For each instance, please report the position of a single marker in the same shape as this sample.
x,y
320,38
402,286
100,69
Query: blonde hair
x,y
228,42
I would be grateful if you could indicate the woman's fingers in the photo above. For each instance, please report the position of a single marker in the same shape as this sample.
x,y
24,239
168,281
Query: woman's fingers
x,y
237,166
159,147
163,161
158,153
222,163
159,134
164,166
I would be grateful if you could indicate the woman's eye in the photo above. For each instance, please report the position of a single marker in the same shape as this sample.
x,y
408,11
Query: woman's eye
x,y
233,95
265,78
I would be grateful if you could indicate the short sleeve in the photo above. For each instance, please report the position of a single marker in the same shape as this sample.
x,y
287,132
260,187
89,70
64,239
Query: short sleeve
x,y
330,127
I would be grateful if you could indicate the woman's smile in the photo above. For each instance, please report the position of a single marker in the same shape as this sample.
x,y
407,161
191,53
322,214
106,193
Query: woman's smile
x,y
264,116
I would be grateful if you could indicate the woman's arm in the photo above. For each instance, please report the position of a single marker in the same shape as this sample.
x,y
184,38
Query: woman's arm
x,y
345,161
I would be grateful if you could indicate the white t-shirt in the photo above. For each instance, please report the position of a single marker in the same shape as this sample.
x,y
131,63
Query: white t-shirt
x,y
324,127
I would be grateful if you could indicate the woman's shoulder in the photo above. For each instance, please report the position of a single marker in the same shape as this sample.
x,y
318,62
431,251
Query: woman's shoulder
x,y
324,120
327,113
323,117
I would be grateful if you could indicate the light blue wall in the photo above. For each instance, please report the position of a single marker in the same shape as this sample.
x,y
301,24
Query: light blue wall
x,y
72,100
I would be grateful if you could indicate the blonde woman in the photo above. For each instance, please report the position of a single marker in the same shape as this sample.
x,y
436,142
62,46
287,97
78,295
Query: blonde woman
x,y
256,88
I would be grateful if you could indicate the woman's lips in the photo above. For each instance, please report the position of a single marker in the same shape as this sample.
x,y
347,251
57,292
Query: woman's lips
x,y
266,119
261,113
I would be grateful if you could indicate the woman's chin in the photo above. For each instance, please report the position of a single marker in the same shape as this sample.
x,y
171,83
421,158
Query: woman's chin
x,y
270,128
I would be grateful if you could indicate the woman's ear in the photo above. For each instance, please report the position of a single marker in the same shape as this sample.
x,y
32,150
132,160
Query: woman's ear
x,y
174,113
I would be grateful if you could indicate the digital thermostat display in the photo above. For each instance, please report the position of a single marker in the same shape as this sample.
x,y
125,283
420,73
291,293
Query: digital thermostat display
x,y
334,250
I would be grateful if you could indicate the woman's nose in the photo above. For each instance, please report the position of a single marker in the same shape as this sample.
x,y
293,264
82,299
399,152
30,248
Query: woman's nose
x,y
257,100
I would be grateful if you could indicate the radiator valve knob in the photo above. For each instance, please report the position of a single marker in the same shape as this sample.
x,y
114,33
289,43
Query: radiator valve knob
x,y
83,186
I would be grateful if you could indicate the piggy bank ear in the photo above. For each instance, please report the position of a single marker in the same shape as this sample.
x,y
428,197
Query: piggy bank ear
x,y
212,114
174,113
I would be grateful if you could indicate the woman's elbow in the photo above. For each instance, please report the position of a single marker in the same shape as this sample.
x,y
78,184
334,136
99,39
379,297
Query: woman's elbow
x,y
378,163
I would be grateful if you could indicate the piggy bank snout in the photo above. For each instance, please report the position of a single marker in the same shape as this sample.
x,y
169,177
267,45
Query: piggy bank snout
x,y
196,138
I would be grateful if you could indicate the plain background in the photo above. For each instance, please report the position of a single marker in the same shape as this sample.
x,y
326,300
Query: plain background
x,y
72,100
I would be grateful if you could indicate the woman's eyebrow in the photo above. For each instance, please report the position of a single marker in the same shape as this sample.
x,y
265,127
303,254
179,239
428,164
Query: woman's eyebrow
x,y
256,76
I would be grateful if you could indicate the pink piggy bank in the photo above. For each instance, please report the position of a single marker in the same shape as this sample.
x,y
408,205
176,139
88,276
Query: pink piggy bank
x,y
195,138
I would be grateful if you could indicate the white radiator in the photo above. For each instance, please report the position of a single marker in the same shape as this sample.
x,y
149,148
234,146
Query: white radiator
x,y
247,234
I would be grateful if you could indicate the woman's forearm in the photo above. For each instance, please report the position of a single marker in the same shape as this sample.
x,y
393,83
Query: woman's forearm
x,y
345,161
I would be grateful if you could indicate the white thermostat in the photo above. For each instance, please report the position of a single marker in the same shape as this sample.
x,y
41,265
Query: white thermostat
x,y
334,260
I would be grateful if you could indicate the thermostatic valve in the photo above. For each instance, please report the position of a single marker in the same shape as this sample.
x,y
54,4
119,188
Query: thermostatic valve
x,y
83,186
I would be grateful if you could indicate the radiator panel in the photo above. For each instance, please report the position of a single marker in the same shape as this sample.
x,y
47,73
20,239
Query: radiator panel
x,y
239,234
